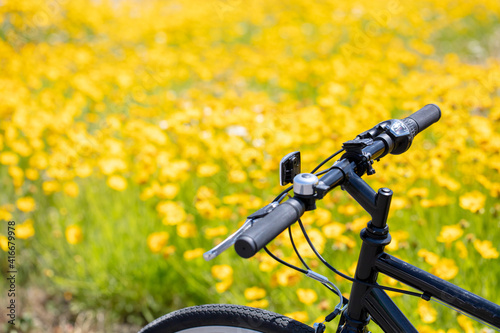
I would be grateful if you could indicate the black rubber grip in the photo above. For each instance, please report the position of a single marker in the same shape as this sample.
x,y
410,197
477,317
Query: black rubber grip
x,y
425,117
267,228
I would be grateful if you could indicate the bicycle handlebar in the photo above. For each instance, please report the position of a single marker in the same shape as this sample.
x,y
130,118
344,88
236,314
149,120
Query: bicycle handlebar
x,y
267,228
392,136
425,117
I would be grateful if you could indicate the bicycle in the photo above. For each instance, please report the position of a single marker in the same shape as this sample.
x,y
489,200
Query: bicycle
x,y
368,300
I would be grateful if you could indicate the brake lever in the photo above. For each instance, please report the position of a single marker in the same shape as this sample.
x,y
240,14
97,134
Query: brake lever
x,y
228,242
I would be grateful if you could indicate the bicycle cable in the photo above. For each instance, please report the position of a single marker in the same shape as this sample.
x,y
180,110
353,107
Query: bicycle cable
x,y
295,248
347,277
326,283
281,261
327,159
465,314
315,276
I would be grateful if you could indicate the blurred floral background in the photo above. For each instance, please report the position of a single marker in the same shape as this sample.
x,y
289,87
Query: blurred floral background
x,y
135,135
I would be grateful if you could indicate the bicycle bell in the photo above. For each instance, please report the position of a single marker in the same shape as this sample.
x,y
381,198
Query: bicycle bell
x,y
304,188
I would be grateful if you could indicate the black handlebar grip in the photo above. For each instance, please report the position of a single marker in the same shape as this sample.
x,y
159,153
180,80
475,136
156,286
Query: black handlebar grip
x,y
423,118
267,228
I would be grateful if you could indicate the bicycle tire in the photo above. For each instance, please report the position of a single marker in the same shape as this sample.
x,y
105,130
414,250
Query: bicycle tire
x,y
225,318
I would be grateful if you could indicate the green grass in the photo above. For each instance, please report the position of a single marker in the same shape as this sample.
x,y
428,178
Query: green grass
x,y
114,269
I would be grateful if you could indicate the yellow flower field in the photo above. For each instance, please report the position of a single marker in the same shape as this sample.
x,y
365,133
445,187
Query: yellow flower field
x,y
134,136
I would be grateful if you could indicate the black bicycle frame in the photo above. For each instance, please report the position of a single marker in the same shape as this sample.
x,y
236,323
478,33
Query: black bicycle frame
x,y
367,302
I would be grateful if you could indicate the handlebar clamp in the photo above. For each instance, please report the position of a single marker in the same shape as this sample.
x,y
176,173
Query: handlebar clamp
x,y
354,152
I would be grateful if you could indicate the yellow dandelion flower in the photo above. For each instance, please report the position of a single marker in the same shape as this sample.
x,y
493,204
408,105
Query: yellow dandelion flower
x,y
216,231
426,312
71,189
9,158
150,191
398,237
117,183
32,174
193,254
168,191
322,216
430,257
207,170
157,240
448,182
237,176
167,251
83,170
390,281
352,269
465,323
21,147
205,193
4,243
222,272
437,202
5,215
344,241
26,204
473,201
301,316
462,250
398,203
234,199
317,239
186,230
450,233
253,202
308,219
39,161
445,268
206,209
224,285
260,304
485,249
348,209
358,224
495,190
441,201
224,213
74,234
287,277
25,230
109,166
267,264
51,186
254,293
333,230
307,296
16,172
421,192
172,212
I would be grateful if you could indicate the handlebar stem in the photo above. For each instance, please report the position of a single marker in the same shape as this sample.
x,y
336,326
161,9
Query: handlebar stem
x,y
375,237
375,203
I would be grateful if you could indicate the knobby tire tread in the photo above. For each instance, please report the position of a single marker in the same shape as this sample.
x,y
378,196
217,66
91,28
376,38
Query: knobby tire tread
x,y
226,314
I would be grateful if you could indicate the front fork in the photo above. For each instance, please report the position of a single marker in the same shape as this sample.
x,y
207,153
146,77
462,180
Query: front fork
x,y
375,237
